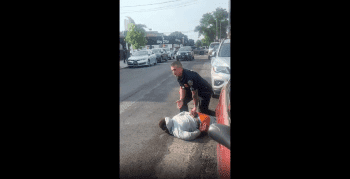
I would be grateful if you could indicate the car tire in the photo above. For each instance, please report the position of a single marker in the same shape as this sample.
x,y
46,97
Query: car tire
x,y
149,63
155,63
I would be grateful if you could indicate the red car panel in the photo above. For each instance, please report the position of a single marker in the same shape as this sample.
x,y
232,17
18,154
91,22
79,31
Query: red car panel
x,y
223,153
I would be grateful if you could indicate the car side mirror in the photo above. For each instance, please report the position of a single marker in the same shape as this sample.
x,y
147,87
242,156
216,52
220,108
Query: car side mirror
x,y
221,134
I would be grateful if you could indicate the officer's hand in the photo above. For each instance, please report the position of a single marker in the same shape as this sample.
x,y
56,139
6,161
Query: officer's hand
x,y
179,103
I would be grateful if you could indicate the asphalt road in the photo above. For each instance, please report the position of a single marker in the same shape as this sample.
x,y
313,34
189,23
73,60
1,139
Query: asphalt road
x,y
146,95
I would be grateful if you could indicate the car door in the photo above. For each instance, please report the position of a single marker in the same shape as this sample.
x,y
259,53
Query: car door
x,y
152,57
223,116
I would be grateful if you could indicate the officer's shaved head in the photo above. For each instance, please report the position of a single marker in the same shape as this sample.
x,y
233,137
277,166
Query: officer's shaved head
x,y
176,64
176,68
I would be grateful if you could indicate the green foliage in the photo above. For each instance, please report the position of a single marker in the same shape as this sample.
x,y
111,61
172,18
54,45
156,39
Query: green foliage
x,y
207,26
179,35
206,41
198,43
136,37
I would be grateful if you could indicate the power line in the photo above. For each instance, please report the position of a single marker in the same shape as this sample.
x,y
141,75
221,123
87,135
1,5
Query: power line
x,y
151,4
160,9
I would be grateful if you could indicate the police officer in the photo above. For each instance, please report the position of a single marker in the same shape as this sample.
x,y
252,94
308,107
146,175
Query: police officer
x,y
192,87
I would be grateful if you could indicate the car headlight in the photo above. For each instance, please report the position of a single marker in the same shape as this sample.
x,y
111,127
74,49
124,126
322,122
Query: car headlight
x,y
221,69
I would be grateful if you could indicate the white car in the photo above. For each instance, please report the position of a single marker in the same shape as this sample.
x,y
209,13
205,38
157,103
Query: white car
x,y
221,66
213,46
142,58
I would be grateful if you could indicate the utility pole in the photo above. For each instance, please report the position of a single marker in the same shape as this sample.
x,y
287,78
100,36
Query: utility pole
x,y
216,29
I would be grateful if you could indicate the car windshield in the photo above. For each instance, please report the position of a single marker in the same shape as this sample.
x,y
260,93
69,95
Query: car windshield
x,y
156,50
225,50
214,45
185,49
140,53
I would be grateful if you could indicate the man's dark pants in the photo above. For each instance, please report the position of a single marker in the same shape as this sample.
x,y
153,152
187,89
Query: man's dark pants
x,y
203,104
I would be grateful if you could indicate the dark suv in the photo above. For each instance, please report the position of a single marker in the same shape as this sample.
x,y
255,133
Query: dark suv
x,y
185,53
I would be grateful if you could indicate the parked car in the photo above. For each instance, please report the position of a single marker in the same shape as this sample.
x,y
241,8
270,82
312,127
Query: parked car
x,y
193,47
185,53
220,132
170,55
192,51
199,51
213,46
221,66
159,55
142,58
205,50
164,54
173,52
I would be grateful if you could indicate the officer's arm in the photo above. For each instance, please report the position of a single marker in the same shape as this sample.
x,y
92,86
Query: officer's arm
x,y
195,98
182,93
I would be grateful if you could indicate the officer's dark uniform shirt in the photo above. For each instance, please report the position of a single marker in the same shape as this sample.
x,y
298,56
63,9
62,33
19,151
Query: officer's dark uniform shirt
x,y
204,88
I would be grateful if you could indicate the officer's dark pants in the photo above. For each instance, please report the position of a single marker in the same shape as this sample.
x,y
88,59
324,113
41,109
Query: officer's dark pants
x,y
203,104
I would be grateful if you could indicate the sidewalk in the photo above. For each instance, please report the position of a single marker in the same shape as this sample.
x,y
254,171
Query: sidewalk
x,y
122,64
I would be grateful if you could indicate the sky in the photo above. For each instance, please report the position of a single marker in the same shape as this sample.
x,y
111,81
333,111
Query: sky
x,y
166,16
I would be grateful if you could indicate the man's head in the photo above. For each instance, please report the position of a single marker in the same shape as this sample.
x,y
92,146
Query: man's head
x,y
176,68
162,125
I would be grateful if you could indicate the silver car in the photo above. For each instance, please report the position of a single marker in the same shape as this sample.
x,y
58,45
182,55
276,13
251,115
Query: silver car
x,y
221,66
142,58
170,55
213,47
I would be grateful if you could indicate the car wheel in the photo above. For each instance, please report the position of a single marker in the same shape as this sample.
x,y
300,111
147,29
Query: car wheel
x,y
155,63
149,63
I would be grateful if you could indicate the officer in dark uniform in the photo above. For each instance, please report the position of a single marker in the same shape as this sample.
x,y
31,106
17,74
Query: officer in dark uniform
x,y
192,87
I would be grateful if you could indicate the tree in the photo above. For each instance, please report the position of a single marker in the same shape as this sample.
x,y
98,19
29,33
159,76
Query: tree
x,y
198,43
207,26
206,41
136,37
179,35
